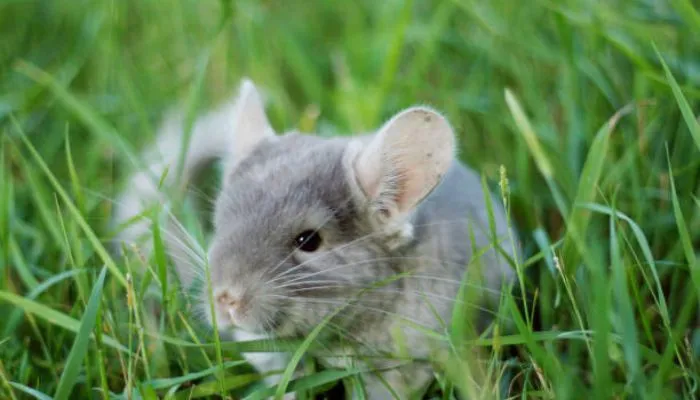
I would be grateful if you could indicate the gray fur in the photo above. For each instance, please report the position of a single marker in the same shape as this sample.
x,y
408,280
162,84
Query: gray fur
x,y
299,182
283,185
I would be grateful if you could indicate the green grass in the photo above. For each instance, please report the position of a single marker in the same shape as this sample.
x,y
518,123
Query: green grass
x,y
589,108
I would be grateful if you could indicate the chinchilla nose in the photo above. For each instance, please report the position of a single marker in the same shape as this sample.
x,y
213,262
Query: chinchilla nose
x,y
228,300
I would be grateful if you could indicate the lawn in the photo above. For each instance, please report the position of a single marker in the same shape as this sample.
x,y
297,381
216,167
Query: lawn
x,y
581,115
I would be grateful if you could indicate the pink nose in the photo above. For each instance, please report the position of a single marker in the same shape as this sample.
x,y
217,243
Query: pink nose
x,y
227,300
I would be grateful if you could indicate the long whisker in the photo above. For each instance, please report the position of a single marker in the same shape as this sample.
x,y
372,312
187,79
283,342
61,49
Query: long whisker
x,y
190,239
186,262
312,301
200,194
321,281
291,253
422,277
365,237
183,247
366,295
339,248
355,241
393,258
347,265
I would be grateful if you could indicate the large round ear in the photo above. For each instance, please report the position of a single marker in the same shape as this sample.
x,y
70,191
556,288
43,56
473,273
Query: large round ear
x,y
404,161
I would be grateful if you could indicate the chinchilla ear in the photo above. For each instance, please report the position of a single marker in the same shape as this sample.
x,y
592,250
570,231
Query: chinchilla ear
x,y
249,121
404,161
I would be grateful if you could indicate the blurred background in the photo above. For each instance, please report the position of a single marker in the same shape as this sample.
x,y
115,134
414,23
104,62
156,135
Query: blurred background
x,y
95,77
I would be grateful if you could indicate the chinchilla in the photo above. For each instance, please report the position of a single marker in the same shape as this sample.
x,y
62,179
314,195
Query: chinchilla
x,y
370,234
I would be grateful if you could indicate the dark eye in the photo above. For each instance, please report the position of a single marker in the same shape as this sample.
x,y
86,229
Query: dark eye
x,y
308,241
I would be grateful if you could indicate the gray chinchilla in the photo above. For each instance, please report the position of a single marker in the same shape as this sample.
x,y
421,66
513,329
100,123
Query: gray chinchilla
x,y
383,224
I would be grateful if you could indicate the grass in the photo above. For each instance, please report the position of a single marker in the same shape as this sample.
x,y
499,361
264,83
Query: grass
x,y
588,109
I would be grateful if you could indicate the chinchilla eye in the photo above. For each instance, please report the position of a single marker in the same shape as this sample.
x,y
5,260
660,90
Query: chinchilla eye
x,y
308,241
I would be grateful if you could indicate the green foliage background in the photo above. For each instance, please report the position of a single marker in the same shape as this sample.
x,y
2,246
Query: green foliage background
x,y
529,86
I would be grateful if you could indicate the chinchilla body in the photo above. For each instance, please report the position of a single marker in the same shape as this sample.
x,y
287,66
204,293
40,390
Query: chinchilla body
x,y
371,235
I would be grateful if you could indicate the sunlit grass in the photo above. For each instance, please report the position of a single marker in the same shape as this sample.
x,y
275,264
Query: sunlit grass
x,y
590,109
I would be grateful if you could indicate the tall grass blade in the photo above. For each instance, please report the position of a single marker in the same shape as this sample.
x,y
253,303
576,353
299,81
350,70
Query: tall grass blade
x,y
31,392
76,357
54,317
80,109
306,383
577,222
630,340
686,240
96,243
688,116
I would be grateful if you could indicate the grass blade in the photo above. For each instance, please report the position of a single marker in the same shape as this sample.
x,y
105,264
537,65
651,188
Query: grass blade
x,y
688,115
159,255
99,248
306,383
79,109
687,10
646,252
685,238
13,319
40,198
630,343
32,392
528,132
75,181
54,317
299,353
169,382
212,388
76,357
578,221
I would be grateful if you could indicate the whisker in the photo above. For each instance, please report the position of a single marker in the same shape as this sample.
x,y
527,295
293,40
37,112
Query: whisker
x,y
200,194
346,303
339,248
185,261
366,296
351,286
185,233
183,248
321,287
291,253
365,237
380,259
296,283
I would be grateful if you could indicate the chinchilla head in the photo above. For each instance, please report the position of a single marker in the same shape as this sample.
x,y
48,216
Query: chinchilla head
x,y
304,225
